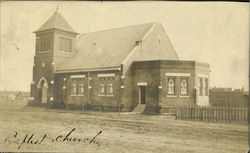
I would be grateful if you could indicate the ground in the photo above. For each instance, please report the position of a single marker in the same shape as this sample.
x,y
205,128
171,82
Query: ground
x,y
120,132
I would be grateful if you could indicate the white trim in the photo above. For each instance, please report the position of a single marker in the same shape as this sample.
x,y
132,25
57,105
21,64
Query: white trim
x,y
122,87
77,76
65,52
101,95
42,52
148,32
39,82
52,82
202,76
184,96
89,87
129,55
174,96
178,74
106,75
87,70
142,83
31,98
110,95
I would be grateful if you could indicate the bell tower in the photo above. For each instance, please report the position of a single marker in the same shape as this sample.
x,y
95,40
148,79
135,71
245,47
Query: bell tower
x,y
55,42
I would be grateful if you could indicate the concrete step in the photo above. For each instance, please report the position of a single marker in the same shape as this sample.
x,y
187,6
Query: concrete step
x,y
139,108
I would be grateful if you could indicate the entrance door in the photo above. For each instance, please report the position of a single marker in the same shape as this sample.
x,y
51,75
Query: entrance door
x,y
42,90
143,94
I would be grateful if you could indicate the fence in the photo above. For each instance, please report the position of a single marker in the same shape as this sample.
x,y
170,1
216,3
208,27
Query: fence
x,y
230,114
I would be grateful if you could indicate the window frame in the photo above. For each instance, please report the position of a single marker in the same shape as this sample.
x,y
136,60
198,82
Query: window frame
x,y
186,87
65,45
73,87
81,87
174,86
110,80
101,86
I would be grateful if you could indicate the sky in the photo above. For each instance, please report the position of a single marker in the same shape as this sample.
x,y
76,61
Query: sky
x,y
212,32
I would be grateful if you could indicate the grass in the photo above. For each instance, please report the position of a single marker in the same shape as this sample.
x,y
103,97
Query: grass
x,y
120,132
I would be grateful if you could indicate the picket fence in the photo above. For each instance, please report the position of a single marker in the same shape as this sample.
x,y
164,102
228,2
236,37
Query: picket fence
x,y
231,114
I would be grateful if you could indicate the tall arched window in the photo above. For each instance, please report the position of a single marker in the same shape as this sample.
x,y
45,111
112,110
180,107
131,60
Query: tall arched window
x,y
171,87
200,86
81,87
102,86
110,87
74,87
207,90
184,87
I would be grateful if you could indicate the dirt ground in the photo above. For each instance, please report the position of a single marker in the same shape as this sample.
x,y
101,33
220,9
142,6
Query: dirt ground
x,y
120,132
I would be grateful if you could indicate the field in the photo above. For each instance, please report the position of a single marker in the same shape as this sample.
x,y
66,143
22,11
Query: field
x,y
120,132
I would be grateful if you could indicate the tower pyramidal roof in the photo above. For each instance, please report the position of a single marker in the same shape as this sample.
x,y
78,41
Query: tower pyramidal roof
x,y
56,21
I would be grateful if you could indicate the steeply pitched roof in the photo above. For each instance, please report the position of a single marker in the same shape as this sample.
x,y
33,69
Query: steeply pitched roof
x,y
105,48
108,49
56,21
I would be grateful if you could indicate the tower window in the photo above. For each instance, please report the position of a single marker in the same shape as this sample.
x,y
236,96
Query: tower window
x,y
65,44
43,44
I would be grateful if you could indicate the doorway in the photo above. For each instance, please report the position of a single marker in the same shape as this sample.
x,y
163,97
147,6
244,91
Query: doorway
x,y
42,90
142,94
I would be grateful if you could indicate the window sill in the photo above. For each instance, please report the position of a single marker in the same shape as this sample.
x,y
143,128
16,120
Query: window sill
x,y
64,52
171,96
101,95
110,95
106,95
42,52
184,96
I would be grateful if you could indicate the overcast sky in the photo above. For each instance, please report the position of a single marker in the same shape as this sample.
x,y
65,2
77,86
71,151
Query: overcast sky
x,y
217,33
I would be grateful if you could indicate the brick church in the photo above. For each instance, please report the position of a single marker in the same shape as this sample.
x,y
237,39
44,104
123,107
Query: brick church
x,y
119,69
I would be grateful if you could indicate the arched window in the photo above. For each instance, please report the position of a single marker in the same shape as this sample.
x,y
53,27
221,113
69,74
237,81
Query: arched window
x,y
110,87
101,86
206,86
81,87
183,87
171,87
200,86
74,88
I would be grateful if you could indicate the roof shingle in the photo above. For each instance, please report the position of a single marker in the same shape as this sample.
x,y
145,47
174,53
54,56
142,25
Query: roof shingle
x,y
56,21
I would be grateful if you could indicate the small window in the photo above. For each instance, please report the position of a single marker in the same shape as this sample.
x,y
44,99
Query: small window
x,y
184,88
171,87
110,87
101,86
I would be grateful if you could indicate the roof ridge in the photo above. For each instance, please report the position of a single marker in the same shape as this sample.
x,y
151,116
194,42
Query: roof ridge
x,y
116,28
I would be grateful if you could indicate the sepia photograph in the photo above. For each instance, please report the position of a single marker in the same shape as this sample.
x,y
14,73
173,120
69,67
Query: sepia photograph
x,y
124,77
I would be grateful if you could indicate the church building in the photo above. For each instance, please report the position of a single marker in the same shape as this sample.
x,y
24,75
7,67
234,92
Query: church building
x,y
121,69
